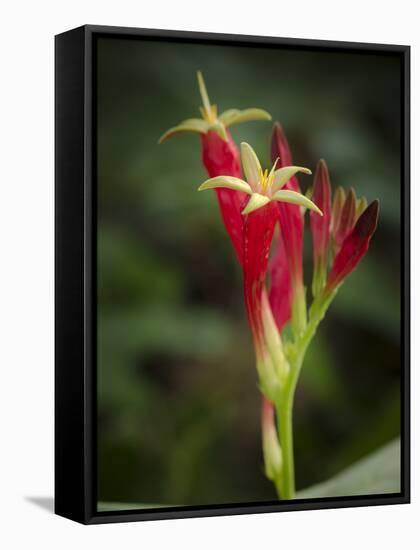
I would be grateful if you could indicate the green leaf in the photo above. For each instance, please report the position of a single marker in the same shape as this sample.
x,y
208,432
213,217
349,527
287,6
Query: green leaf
x,y
378,473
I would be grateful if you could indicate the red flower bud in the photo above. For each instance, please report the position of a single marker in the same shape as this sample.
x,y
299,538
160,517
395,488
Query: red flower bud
x,y
291,228
354,247
320,225
338,203
290,215
346,220
280,148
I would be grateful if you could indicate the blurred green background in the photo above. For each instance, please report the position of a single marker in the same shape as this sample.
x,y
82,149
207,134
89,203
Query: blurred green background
x,y
178,404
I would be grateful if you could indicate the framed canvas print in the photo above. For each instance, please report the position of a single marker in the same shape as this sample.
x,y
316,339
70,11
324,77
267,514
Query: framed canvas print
x,y
232,274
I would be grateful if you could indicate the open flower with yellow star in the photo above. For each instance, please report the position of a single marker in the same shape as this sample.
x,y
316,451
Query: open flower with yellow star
x,y
262,186
211,120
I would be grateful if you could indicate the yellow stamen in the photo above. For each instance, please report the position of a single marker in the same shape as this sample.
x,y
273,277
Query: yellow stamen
x,y
266,179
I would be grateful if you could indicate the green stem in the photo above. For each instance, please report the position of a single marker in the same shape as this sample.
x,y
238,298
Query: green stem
x,y
285,419
284,404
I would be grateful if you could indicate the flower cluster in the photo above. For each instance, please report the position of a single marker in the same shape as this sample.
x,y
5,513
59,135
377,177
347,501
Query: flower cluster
x,y
263,212
342,237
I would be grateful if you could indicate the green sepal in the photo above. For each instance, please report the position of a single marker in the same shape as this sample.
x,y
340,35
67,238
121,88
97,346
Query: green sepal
x,y
273,457
321,304
299,315
267,378
274,343
319,276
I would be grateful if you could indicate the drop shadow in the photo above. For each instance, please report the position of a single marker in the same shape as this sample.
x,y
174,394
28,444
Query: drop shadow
x,y
46,503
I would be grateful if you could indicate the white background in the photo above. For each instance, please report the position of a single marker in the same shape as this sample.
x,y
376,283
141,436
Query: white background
x,y
26,272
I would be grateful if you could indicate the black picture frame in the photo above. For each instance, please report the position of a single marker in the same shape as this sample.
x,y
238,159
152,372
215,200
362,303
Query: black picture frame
x,y
75,276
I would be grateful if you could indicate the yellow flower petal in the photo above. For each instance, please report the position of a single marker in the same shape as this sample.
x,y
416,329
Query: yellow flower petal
x,y
203,93
295,198
255,202
227,116
226,181
235,116
251,165
189,125
283,175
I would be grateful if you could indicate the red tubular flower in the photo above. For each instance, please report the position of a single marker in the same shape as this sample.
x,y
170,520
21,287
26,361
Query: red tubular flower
x,y
280,149
290,215
220,156
280,295
291,228
266,190
320,225
258,235
354,247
